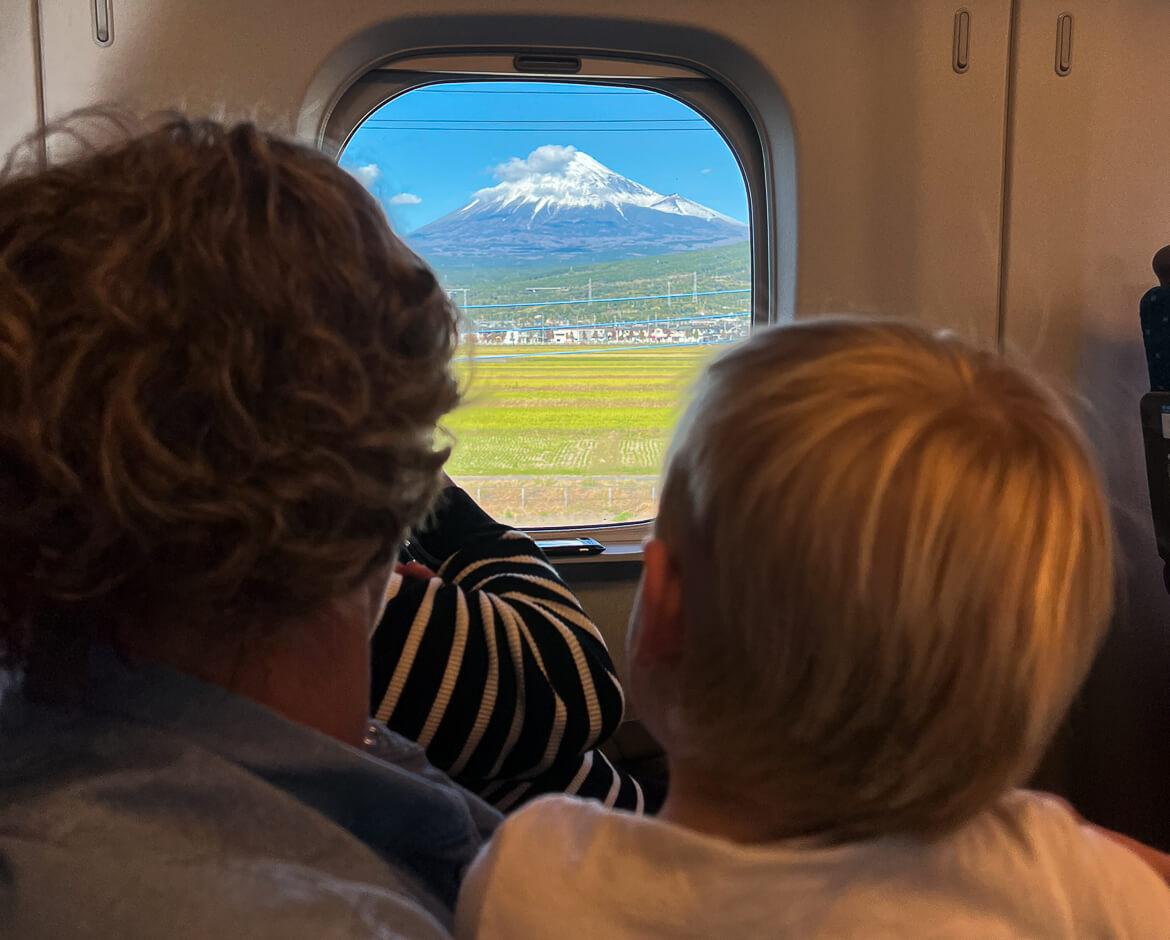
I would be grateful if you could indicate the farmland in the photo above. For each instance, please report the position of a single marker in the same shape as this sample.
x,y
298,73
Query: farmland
x,y
553,435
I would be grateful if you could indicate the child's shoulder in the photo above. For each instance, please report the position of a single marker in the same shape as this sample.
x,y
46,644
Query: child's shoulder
x,y
541,850
1028,836
563,822
558,809
1046,823
1039,827
552,805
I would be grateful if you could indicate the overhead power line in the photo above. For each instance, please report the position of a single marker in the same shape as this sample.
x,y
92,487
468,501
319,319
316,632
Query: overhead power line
x,y
564,94
538,121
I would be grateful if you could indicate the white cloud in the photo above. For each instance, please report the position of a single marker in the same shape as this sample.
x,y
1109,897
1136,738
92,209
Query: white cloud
x,y
367,174
405,199
706,171
549,159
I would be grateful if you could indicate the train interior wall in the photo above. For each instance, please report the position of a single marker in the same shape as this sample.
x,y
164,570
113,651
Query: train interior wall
x,y
1006,202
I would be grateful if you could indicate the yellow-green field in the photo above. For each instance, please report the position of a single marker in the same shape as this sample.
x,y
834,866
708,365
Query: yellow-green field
x,y
557,410
552,435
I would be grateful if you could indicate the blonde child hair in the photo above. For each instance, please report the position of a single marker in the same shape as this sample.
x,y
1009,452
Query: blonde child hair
x,y
896,567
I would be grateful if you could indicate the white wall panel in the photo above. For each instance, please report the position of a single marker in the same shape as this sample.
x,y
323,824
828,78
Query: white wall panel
x,y
1089,205
18,101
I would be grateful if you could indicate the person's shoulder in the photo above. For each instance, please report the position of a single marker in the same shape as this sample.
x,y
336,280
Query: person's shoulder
x,y
556,814
1102,882
545,834
207,893
560,804
1048,824
557,834
551,847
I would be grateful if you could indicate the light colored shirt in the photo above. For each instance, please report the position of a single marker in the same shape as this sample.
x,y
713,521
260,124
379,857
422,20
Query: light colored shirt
x,y
569,869
169,808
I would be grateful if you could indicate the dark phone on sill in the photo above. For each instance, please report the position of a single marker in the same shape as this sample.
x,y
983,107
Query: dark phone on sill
x,y
578,546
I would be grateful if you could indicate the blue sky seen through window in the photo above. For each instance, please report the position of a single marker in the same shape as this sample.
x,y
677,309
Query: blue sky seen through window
x,y
425,153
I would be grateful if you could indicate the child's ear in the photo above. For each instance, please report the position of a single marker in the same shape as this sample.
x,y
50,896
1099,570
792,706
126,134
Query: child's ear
x,y
660,634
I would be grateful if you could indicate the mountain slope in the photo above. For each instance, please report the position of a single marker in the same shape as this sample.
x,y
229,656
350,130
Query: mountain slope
x,y
561,204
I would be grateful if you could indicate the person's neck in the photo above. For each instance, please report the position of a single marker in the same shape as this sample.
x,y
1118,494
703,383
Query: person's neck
x,y
313,684
697,802
315,672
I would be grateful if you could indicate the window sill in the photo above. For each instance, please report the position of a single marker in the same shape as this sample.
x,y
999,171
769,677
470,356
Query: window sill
x,y
614,552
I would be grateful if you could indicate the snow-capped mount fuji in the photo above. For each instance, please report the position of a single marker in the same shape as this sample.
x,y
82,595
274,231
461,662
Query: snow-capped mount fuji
x,y
561,204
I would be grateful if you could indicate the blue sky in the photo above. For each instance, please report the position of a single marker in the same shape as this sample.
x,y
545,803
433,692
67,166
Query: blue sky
x,y
424,153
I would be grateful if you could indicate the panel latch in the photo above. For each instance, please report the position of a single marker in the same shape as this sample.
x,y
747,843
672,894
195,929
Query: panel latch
x,y
961,52
1064,31
103,29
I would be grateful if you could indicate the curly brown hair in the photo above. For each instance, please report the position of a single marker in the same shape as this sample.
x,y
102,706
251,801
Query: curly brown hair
x,y
220,379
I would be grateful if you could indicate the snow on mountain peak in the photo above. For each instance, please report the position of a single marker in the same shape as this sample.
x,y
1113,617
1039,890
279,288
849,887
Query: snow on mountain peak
x,y
680,205
560,203
555,177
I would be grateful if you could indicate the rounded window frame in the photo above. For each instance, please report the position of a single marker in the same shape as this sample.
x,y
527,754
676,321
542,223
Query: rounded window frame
x,y
707,95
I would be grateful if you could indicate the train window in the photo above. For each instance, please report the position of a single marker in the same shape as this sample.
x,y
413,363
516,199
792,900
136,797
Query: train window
x,y
597,238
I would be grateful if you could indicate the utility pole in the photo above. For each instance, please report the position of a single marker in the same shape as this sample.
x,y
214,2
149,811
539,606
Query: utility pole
x,y
695,289
452,291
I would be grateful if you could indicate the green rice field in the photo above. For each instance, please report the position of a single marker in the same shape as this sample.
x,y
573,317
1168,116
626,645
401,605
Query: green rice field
x,y
569,435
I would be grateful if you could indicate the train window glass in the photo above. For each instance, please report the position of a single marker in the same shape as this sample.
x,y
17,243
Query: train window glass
x,y
597,239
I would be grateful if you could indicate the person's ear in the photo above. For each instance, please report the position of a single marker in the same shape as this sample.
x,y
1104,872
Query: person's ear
x,y
660,635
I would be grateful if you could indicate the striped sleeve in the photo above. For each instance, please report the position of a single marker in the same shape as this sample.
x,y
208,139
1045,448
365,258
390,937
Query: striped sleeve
x,y
495,669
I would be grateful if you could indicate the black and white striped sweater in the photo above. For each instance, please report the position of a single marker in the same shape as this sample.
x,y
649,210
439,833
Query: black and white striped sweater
x,y
494,668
